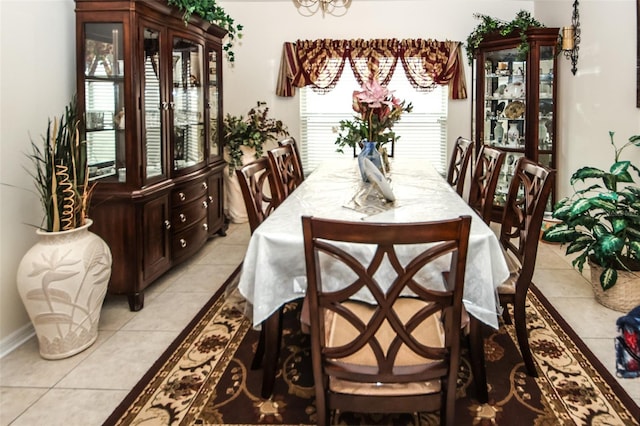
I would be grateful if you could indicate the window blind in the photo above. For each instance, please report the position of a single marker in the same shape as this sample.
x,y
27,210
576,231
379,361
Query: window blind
x,y
422,132
99,105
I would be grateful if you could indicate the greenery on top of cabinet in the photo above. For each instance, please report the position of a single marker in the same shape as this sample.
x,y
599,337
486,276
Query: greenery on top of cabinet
x,y
210,11
521,23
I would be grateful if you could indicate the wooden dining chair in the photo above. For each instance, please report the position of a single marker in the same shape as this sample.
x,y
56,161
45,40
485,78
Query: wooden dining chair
x,y
257,184
296,151
402,353
484,180
285,170
459,163
519,234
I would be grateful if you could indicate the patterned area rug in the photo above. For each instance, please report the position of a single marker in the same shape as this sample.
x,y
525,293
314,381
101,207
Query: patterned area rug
x,y
204,378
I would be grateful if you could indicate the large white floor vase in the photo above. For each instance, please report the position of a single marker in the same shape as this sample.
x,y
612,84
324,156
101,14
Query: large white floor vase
x,y
235,210
62,281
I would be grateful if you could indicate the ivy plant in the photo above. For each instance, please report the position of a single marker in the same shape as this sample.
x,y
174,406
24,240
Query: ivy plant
x,y
210,11
488,25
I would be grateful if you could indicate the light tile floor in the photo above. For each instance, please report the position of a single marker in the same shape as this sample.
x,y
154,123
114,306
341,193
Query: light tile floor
x,y
83,390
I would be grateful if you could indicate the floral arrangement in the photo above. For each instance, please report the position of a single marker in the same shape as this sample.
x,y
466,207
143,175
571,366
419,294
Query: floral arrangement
x,y
378,110
251,131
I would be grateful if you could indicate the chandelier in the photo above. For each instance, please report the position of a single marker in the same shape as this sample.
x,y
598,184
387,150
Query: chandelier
x,y
331,7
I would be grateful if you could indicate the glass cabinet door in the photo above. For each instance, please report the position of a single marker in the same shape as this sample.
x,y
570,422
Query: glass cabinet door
x,y
213,105
187,104
152,107
505,99
104,101
505,110
546,125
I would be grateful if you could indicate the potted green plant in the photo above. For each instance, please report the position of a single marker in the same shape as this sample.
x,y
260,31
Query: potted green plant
x,y
601,223
60,173
243,139
489,25
211,11
252,132
62,279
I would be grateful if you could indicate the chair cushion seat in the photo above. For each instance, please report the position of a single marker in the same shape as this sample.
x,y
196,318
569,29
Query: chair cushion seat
x,y
340,331
383,389
509,285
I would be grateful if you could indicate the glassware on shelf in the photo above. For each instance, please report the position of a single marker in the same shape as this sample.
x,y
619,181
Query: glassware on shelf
x,y
513,134
103,98
498,132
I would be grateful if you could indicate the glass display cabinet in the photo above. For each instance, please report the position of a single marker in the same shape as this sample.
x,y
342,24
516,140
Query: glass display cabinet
x,y
148,89
515,102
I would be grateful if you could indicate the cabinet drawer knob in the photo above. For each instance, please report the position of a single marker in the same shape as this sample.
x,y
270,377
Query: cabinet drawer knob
x,y
205,226
205,205
183,243
167,224
183,218
182,196
210,199
204,185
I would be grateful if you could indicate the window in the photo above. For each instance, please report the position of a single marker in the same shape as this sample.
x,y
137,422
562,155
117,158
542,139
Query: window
x,y
422,132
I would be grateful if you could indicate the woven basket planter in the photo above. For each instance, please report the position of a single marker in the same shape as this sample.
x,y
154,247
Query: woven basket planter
x,y
623,296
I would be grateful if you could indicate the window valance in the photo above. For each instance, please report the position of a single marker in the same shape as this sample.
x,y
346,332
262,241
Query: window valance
x,y
319,63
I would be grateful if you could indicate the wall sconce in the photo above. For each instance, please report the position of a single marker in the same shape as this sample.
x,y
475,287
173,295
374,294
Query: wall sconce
x,y
330,7
570,39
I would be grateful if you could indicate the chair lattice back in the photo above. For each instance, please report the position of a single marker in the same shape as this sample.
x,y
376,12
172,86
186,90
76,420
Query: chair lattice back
x,y
296,151
399,339
258,188
524,210
484,181
460,159
287,175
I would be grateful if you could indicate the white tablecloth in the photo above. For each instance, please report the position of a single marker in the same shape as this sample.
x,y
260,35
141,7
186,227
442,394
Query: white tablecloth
x,y
274,273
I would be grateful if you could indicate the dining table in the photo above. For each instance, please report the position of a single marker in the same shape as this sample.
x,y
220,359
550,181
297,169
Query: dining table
x,y
274,270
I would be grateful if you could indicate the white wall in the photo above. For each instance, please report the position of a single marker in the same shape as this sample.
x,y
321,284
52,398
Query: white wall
x,y
37,78
602,95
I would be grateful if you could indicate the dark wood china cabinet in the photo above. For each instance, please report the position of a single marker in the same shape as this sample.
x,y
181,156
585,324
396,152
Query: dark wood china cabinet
x,y
150,89
515,102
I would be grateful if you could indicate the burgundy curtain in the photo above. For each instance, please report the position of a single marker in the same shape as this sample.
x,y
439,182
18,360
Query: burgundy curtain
x,y
319,63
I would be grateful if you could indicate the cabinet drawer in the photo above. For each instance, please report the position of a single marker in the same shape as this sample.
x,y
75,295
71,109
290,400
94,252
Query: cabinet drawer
x,y
187,242
186,215
187,194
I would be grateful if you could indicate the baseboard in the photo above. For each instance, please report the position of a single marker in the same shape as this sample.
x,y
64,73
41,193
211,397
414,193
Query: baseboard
x,y
15,339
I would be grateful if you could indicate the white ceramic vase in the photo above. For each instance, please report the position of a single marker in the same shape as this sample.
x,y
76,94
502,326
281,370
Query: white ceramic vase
x,y
498,132
62,281
513,134
234,206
